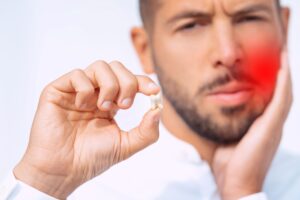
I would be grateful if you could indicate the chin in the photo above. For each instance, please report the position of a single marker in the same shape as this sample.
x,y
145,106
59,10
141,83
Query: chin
x,y
230,124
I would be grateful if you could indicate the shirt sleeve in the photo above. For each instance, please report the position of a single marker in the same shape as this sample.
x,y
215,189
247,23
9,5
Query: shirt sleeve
x,y
13,189
258,196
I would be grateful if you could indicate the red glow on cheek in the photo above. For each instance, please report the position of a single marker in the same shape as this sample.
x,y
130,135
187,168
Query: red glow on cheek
x,y
263,67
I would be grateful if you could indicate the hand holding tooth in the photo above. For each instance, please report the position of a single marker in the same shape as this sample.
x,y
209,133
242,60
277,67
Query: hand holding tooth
x,y
74,136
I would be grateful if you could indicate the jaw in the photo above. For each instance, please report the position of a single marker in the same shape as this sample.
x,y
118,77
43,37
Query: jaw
x,y
231,123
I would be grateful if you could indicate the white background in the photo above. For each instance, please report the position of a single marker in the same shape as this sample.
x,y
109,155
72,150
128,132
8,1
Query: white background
x,y
40,40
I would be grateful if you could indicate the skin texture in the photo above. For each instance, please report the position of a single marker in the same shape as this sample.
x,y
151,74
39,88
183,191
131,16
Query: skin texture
x,y
74,137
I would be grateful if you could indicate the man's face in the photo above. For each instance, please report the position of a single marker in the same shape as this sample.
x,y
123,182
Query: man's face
x,y
217,62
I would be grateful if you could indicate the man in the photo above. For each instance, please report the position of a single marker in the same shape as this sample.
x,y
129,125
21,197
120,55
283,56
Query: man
x,y
222,66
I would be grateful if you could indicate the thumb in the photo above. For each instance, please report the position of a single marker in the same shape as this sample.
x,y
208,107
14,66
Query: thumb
x,y
146,133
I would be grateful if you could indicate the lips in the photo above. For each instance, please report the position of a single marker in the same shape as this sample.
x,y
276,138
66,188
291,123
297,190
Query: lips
x,y
233,94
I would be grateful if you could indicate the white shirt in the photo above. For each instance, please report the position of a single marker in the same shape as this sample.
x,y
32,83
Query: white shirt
x,y
171,170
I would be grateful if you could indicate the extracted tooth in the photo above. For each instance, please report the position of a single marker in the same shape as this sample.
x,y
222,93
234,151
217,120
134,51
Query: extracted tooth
x,y
156,101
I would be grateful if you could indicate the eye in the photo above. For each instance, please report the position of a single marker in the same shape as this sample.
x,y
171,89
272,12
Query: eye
x,y
249,19
194,25
188,26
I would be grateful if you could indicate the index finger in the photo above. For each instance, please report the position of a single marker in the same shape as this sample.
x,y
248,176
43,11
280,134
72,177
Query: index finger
x,y
147,86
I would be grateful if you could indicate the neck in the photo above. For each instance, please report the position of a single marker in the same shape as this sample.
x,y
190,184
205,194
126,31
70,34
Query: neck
x,y
177,127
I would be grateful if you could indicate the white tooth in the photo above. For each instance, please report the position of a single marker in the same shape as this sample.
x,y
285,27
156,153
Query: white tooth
x,y
156,101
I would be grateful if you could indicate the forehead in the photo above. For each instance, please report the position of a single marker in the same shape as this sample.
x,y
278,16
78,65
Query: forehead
x,y
211,6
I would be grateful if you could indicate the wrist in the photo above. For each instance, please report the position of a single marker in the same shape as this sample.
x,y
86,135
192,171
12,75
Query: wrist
x,y
57,186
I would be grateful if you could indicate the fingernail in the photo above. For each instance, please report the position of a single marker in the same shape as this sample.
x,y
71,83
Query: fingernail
x,y
153,86
106,105
126,102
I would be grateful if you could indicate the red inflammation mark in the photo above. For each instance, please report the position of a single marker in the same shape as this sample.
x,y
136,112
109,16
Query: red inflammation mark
x,y
263,67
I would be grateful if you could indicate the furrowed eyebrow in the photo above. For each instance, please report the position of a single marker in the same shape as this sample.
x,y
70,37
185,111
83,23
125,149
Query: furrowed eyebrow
x,y
187,15
252,9
200,14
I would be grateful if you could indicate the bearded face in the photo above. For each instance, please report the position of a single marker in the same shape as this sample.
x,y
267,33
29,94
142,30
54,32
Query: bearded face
x,y
217,62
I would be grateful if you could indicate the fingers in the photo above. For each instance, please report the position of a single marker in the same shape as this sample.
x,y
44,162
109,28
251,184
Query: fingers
x,y
279,107
118,86
128,85
102,77
147,86
114,85
144,135
75,81
131,84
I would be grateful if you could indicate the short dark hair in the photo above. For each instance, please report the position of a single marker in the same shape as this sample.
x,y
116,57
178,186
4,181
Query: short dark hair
x,y
147,10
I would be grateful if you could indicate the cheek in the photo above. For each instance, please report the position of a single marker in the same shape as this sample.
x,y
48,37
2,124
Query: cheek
x,y
263,67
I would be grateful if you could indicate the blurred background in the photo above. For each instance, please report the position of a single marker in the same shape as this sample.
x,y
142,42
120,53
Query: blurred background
x,y
41,40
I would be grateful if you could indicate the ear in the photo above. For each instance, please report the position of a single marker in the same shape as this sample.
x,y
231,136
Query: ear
x,y
142,46
285,18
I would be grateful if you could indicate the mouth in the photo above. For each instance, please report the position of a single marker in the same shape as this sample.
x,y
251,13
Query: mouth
x,y
232,94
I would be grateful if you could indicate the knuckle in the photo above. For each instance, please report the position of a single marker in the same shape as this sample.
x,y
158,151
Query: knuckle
x,y
99,63
111,87
150,138
130,84
88,90
154,138
116,63
77,72
50,94
96,65
45,91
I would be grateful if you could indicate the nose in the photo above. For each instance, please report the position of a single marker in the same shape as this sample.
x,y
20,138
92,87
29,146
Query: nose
x,y
227,50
